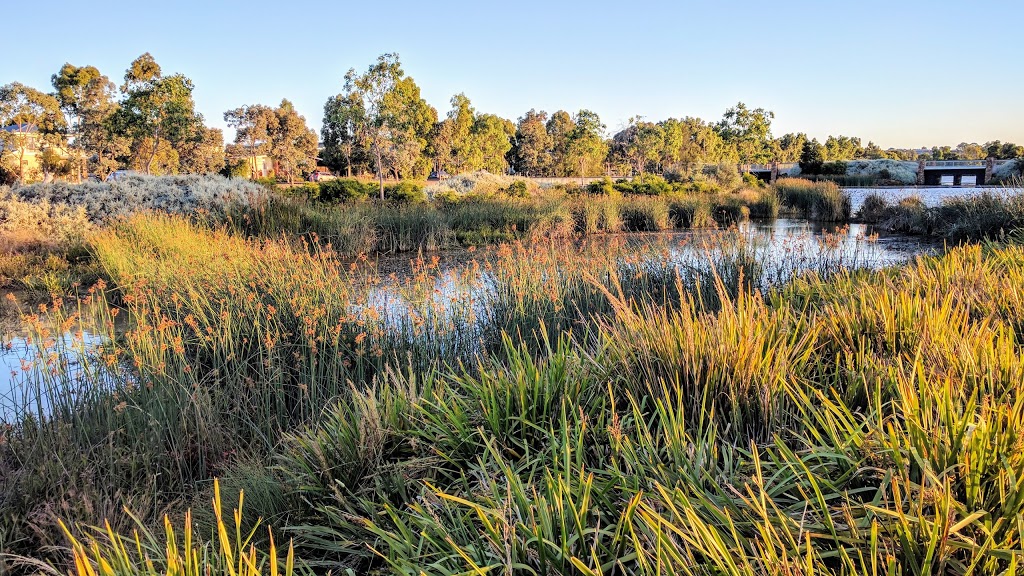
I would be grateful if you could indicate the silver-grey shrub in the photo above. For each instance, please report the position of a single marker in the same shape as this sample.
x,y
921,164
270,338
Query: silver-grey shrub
x,y
188,195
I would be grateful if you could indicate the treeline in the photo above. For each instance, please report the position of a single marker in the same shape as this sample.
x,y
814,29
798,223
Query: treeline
x,y
89,126
380,125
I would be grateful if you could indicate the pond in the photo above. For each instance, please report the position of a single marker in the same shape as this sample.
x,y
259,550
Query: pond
x,y
31,373
931,196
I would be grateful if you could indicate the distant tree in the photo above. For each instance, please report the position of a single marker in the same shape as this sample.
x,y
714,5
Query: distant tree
x,y
970,151
344,133
559,128
492,137
31,118
157,113
586,149
812,157
789,147
253,126
293,144
748,132
639,144
842,148
87,98
531,144
204,153
395,119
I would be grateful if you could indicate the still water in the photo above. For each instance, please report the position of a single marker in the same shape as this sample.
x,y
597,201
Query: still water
x,y
783,246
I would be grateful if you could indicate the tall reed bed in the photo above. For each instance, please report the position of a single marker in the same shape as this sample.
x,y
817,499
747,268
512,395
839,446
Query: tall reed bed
x,y
769,436
822,201
558,408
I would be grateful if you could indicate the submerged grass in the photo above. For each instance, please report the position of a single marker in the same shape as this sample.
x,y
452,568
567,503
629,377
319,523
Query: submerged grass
x,y
581,407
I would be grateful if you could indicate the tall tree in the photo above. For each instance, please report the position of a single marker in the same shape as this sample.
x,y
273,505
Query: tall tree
x,y
87,98
749,132
560,127
531,144
344,132
492,138
28,118
586,150
395,119
158,112
639,144
253,125
293,144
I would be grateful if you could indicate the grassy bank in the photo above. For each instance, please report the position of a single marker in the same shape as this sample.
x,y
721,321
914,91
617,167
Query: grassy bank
x,y
564,410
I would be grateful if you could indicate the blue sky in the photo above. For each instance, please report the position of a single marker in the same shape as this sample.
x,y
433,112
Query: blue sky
x,y
904,73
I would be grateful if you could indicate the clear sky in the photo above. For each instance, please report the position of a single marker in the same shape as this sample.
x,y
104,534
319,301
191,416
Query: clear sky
x,y
903,73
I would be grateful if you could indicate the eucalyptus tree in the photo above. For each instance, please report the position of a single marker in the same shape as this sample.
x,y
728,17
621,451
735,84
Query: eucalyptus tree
x,y
157,113
748,132
293,145
586,149
639,144
28,117
560,128
344,135
253,125
394,118
532,144
87,98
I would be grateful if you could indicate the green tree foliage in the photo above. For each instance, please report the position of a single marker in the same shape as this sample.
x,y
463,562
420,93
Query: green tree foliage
x,y
87,98
293,146
30,118
394,118
640,144
560,127
842,148
532,144
748,132
253,125
344,133
789,147
586,148
158,115
203,154
812,157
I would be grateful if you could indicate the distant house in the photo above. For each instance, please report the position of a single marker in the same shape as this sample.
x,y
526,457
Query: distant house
x,y
22,148
261,166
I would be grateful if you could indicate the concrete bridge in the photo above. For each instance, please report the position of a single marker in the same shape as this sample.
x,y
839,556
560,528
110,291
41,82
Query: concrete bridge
x,y
929,172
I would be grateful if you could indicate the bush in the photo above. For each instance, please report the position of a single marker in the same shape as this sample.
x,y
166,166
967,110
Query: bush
x,y
823,201
650,185
833,169
344,190
405,192
604,187
725,174
645,214
518,189
767,205
874,209
189,195
752,181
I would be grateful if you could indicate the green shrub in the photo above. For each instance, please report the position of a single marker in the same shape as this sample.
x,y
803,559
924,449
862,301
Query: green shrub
x,y
752,181
518,189
344,190
604,187
405,192
837,168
